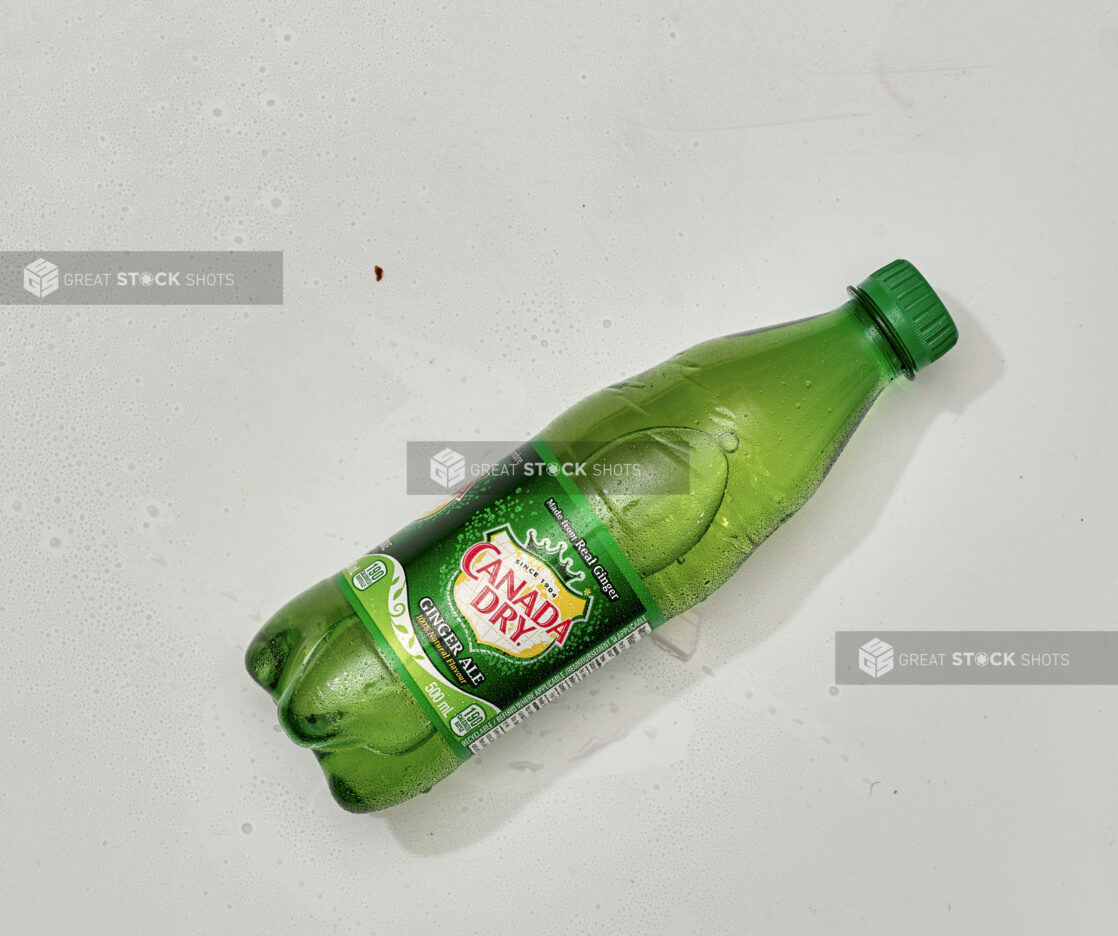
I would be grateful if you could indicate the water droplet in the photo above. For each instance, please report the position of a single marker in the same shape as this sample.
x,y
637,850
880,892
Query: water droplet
x,y
833,690
729,442
55,542
246,827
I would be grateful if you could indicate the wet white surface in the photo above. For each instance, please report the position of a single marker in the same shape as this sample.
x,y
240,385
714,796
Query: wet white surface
x,y
558,197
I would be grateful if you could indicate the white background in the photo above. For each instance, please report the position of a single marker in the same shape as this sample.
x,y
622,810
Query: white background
x,y
558,197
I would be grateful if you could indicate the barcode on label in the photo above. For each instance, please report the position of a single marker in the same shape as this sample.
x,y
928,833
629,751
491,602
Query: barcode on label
x,y
553,693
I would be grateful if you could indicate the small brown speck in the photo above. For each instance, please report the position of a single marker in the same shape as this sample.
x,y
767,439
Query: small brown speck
x,y
379,272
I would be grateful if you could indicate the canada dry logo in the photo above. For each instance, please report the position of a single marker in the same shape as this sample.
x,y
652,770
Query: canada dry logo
x,y
448,468
875,657
513,600
40,278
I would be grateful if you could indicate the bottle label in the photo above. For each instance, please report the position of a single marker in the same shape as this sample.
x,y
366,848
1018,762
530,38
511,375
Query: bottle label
x,y
495,603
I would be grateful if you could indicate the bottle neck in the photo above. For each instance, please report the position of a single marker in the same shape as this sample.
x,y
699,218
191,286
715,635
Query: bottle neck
x,y
877,335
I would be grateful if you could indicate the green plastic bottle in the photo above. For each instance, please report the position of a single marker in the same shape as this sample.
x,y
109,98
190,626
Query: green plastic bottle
x,y
397,668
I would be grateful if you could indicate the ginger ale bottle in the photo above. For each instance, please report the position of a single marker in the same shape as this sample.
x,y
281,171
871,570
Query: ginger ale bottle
x,y
631,507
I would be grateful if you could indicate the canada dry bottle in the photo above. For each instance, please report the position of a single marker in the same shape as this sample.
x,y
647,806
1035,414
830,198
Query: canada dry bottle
x,y
631,507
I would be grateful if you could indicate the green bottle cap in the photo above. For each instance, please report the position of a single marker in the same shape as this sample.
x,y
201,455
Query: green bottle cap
x,y
909,312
